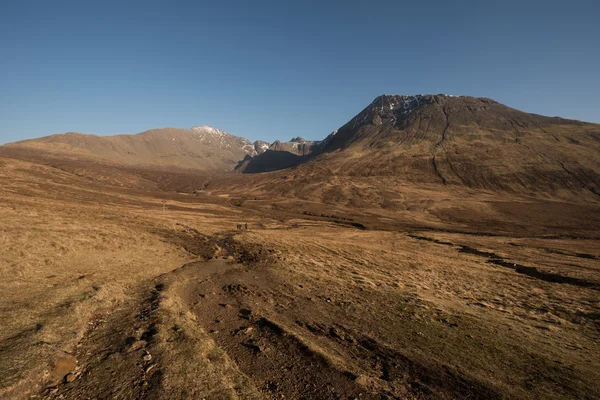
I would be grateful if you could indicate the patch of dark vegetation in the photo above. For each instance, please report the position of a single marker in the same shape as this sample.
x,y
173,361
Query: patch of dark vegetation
x,y
356,225
492,234
20,335
545,276
149,333
337,219
572,254
332,216
594,316
533,272
470,250
428,239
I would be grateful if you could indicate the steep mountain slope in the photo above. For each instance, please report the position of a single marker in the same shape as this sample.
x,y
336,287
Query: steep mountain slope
x,y
279,155
473,142
201,147
297,146
260,146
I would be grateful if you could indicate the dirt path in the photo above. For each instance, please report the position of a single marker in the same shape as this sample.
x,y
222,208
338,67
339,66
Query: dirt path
x,y
238,326
152,348
220,329
240,316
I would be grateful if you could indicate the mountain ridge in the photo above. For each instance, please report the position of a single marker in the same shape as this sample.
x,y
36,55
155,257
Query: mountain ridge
x,y
443,139
200,147
456,140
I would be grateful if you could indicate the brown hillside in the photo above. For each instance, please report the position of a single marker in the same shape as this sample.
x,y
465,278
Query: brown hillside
x,y
474,142
203,148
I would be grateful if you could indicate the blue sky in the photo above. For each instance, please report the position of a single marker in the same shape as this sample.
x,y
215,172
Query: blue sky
x,y
278,69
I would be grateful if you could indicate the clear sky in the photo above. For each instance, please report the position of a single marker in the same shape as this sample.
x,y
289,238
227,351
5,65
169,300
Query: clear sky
x,y
278,69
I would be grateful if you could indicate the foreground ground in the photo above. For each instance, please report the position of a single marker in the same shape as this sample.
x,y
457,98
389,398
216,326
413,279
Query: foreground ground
x,y
120,293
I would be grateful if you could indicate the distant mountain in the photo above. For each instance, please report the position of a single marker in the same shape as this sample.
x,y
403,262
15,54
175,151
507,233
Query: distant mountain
x,y
260,146
297,146
455,140
475,143
279,155
201,147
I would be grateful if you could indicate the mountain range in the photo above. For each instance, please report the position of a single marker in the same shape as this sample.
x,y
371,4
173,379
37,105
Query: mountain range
x,y
201,147
477,143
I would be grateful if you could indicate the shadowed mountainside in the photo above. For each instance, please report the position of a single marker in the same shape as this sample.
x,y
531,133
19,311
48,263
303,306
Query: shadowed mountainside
x,y
279,155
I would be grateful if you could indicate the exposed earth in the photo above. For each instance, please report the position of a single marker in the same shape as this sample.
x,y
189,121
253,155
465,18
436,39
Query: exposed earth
x,y
347,276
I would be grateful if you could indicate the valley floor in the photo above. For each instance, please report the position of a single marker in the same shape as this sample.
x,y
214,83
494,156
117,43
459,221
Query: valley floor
x,y
109,292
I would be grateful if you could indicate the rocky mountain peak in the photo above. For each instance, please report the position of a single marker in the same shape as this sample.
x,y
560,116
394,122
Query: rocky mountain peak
x,y
209,130
260,146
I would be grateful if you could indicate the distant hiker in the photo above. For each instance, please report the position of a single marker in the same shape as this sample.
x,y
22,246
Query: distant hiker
x,y
239,226
246,226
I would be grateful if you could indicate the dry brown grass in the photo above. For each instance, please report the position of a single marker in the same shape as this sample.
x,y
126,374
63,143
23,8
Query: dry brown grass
x,y
81,262
409,294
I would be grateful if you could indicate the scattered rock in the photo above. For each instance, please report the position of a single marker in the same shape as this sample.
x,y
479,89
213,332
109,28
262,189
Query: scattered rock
x,y
147,357
60,367
70,377
421,387
138,344
149,368
51,390
255,347
362,380
244,329
272,386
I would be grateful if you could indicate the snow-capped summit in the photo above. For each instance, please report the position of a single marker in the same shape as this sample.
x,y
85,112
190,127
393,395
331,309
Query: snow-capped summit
x,y
207,129
221,139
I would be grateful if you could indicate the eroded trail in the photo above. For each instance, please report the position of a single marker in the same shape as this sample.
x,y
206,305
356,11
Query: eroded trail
x,y
293,347
236,325
229,327
152,347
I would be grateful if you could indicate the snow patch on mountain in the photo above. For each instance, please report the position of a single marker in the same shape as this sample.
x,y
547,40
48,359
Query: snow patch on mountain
x,y
208,130
222,139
